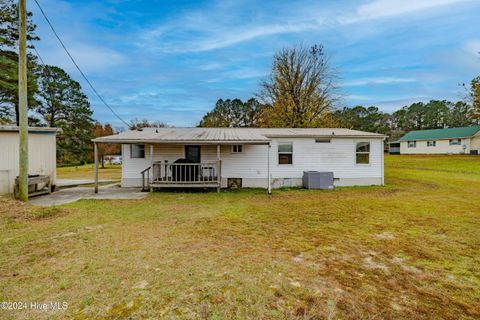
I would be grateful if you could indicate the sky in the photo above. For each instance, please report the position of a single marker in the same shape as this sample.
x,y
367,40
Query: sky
x,y
172,60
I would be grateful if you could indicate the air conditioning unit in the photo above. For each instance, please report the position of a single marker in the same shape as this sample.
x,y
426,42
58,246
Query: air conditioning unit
x,y
318,180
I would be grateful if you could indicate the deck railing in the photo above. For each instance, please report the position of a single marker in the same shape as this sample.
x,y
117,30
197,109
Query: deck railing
x,y
185,172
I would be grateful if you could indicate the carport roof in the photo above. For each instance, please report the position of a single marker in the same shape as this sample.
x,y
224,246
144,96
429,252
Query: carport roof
x,y
227,135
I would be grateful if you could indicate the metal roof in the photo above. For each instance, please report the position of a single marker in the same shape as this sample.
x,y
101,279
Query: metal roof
x,y
227,135
30,129
436,134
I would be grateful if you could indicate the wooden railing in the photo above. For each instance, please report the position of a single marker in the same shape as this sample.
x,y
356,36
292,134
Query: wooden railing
x,y
185,173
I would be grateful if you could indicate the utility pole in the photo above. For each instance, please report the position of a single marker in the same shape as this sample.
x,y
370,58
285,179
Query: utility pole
x,y
22,101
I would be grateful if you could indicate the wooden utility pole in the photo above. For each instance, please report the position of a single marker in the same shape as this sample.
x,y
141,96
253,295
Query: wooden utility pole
x,y
22,101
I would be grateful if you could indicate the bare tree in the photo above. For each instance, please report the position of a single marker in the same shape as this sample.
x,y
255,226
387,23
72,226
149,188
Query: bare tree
x,y
301,89
136,124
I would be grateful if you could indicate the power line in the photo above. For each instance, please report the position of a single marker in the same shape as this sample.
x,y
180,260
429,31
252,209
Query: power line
x,y
38,54
76,65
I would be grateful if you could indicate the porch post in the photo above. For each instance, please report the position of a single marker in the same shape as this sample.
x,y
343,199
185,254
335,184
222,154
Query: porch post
x,y
269,185
151,161
95,155
219,168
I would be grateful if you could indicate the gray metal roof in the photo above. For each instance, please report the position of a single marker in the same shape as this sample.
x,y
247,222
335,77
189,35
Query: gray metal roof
x,y
30,129
227,135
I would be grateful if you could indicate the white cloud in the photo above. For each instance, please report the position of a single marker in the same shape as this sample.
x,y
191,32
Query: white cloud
x,y
377,80
387,8
473,47
90,57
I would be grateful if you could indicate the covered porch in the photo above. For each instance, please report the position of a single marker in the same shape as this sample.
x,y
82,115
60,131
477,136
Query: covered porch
x,y
195,163
170,168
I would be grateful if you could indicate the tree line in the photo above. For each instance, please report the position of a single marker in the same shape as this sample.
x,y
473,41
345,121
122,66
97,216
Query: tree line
x,y
301,91
54,98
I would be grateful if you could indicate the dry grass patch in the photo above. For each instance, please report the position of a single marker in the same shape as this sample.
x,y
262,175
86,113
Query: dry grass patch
x,y
405,251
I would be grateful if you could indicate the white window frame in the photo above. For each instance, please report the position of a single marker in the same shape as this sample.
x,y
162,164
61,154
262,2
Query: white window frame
x,y
431,143
235,148
363,152
450,142
279,153
414,144
131,151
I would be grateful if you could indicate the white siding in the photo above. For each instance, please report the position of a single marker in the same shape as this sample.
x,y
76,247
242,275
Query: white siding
x,y
41,153
251,165
442,147
475,142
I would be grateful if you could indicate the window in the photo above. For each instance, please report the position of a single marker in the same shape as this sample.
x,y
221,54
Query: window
x,y
455,142
412,144
285,153
322,140
431,143
237,148
363,153
137,151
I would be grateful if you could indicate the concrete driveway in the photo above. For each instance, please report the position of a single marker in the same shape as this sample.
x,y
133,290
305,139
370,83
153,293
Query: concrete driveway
x,y
73,194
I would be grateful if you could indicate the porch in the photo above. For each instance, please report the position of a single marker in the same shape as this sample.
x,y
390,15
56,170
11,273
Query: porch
x,y
193,164
162,174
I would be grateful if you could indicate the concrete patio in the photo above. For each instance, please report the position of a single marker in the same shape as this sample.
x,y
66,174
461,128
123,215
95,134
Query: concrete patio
x,y
76,193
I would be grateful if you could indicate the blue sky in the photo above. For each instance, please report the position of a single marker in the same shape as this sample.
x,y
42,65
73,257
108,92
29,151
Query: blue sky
x,y
172,60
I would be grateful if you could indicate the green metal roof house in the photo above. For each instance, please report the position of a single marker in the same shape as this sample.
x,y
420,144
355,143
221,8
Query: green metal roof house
x,y
463,140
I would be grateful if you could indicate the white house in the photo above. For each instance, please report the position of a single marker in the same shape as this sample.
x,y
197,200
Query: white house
x,y
463,140
41,154
246,157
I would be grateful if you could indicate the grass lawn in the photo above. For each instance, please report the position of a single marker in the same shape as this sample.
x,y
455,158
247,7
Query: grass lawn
x,y
409,250
110,172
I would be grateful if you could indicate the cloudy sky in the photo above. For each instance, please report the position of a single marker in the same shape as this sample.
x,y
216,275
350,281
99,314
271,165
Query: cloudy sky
x,y
171,60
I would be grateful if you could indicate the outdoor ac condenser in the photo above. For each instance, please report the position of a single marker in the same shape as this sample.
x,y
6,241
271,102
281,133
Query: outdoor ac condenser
x,y
317,180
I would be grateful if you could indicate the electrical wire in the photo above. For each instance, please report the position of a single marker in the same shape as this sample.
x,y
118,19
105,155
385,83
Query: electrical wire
x,y
76,65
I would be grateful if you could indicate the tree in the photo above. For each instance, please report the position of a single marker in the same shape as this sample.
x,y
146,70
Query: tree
x,y
369,119
105,149
62,104
300,91
475,97
460,115
137,124
9,62
233,113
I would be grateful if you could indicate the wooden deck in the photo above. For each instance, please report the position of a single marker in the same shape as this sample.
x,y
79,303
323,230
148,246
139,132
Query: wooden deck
x,y
182,175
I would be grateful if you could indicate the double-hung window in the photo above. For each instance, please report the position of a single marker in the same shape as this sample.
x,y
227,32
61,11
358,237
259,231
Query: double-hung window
x,y
137,151
455,142
431,143
412,144
362,153
237,148
285,153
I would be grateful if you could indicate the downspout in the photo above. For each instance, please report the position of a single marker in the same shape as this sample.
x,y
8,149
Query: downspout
x,y
269,184
383,161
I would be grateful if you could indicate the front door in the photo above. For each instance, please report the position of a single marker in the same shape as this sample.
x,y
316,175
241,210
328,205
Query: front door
x,y
192,153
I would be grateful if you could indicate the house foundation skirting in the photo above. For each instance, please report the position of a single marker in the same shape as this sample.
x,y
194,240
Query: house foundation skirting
x,y
275,182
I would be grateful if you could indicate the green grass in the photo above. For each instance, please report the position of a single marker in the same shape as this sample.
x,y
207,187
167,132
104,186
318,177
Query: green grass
x,y
409,250
110,172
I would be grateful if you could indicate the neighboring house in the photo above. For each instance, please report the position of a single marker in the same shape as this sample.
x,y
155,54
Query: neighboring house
x,y
464,140
246,157
113,159
41,154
